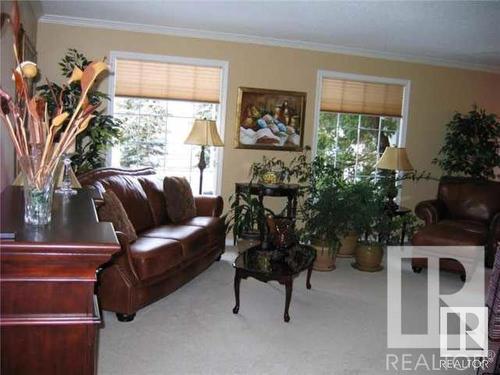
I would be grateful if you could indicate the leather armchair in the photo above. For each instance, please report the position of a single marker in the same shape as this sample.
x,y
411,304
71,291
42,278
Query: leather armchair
x,y
466,212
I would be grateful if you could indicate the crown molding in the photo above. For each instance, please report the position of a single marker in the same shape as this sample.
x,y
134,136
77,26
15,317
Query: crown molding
x,y
267,41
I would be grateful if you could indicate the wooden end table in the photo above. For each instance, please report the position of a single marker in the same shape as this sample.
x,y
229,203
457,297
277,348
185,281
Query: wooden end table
x,y
274,265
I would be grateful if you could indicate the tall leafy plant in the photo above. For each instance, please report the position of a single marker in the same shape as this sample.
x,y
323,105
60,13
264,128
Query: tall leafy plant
x,y
103,130
329,205
245,214
471,145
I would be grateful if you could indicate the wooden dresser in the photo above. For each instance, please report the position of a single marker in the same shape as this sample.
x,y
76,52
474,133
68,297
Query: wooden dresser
x,y
49,311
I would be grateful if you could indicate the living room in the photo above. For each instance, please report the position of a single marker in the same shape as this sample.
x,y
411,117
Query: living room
x,y
268,127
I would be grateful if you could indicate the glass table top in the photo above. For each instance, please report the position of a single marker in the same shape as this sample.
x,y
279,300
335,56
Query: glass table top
x,y
276,263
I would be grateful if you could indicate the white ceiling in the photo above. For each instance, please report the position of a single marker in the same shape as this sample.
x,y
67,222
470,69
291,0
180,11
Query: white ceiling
x,y
450,33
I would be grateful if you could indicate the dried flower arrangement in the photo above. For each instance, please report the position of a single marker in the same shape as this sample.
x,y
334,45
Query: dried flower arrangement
x,y
40,139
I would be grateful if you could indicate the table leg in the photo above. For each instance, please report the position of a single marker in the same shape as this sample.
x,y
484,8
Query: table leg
x,y
308,280
236,215
237,280
289,207
289,287
294,206
262,219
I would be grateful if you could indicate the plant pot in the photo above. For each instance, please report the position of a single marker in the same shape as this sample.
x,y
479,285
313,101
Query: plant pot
x,y
348,246
368,257
325,257
247,240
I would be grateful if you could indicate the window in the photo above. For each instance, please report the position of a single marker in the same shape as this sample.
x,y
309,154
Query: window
x,y
153,136
355,141
158,103
357,121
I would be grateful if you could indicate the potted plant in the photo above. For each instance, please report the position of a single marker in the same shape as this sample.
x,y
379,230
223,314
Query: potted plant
x,y
274,170
348,192
324,212
471,145
372,220
244,219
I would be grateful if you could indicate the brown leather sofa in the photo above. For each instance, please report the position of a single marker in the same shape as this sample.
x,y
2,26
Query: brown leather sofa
x,y
165,256
466,212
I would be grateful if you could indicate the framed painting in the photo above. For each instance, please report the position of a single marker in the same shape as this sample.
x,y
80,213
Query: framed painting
x,y
270,119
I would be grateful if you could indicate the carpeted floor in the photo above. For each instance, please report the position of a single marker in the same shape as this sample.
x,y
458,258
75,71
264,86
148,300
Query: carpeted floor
x,y
337,327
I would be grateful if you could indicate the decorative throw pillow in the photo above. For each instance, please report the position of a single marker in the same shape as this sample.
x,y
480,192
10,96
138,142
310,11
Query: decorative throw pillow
x,y
112,210
179,199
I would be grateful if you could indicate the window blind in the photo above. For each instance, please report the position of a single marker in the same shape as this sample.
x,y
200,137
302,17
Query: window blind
x,y
358,97
158,80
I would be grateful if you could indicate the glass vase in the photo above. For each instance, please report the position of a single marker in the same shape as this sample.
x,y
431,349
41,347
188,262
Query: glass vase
x,y
38,201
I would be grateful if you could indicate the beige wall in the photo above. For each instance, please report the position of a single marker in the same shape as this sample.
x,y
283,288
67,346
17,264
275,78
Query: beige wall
x,y
7,63
435,93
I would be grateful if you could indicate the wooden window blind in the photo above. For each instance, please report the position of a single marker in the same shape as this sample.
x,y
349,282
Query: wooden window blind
x,y
358,97
158,80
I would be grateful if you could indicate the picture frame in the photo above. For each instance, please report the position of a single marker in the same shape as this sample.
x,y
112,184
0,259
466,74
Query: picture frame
x,y
270,119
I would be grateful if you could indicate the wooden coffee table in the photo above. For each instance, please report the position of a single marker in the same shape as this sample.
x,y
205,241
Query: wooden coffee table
x,y
273,265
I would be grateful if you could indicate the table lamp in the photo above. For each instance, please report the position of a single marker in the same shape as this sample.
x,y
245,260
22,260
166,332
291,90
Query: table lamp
x,y
394,159
203,133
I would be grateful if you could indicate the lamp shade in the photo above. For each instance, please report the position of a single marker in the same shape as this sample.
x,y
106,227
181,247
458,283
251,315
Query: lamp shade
x,y
204,133
394,159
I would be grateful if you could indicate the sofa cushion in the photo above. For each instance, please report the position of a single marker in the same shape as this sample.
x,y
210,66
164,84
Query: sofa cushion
x,y
452,232
215,228
112,210
154,256
134,200
179,199
213,225
193,239
153,186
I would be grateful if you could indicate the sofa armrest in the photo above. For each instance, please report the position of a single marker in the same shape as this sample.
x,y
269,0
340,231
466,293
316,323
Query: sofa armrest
x,y
208,205
124,258
430,211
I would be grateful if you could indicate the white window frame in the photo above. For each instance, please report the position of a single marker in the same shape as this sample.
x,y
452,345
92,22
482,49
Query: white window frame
x,y
365,78
221,116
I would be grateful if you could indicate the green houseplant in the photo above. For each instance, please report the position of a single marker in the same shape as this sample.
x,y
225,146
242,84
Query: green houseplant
x,y
243,218
324,212
375,220
471,145
274,170
335,205
103,130
372,220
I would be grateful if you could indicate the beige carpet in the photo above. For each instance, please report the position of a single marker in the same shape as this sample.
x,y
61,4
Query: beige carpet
x,y
337,327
